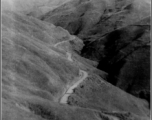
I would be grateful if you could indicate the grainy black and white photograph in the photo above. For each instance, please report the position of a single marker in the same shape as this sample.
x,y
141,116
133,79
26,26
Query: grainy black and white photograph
x,y
75,59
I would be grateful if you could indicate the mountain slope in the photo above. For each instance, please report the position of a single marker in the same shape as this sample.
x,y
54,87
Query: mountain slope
x,y
116,34
36,72
125,55
87,17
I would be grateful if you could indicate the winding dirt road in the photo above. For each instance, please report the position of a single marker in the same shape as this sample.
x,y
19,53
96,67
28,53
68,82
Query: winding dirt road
x,y
82,76
73,37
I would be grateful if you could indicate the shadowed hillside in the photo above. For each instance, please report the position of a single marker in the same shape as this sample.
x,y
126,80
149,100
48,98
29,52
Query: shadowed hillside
x,y
116,34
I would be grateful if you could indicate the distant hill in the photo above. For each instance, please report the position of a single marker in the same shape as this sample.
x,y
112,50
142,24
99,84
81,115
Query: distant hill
x,y
32,7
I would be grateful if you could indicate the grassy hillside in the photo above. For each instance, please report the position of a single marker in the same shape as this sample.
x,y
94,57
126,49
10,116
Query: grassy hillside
x,y
35,75
31,60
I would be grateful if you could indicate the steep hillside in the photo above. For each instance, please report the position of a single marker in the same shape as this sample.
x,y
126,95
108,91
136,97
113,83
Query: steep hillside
x,y
34,71
93,17
116,34
29,55
41,61
125,55
76,16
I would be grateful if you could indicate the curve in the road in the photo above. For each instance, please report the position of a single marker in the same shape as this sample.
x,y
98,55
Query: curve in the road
x,y
73,37
82,77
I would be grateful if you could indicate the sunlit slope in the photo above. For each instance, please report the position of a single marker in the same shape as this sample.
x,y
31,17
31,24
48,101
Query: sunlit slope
x,y
30,62
35,73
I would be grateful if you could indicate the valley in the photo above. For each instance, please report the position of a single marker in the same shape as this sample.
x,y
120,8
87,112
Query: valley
x,y
76,60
